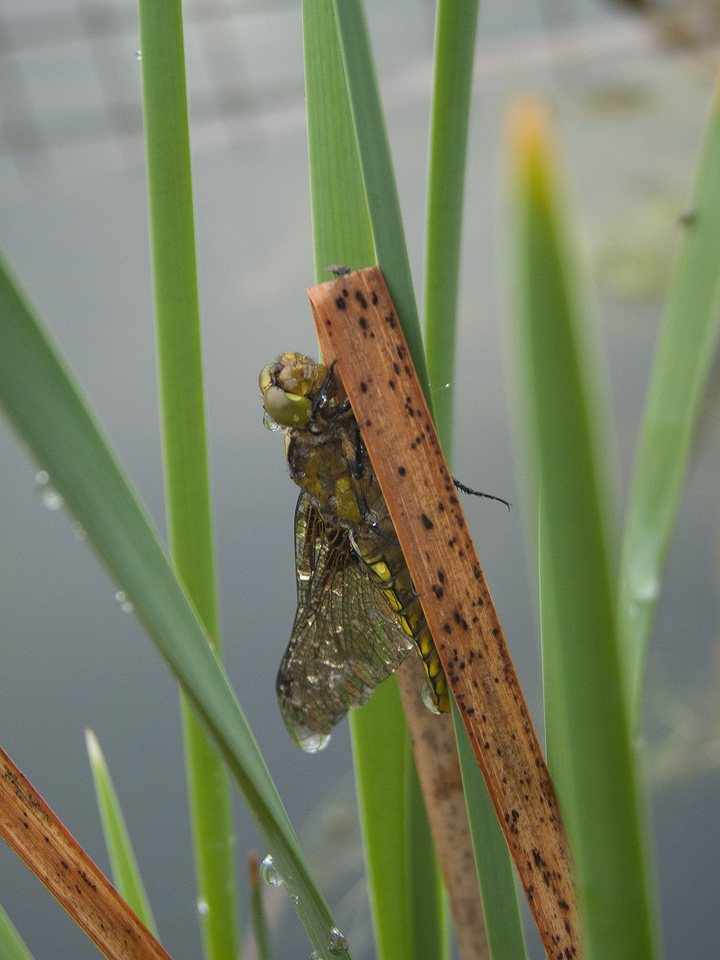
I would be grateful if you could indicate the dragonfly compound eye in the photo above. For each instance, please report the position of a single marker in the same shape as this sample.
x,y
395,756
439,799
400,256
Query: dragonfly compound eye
x,y
266,377
287,409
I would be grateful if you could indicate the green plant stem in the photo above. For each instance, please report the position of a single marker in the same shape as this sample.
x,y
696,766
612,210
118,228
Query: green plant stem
x,y
341,225
503,923
456,24
184,444
428,907
379,745
378,176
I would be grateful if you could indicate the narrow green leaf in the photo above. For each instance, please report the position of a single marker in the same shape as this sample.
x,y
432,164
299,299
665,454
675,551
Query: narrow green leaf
x,y
378,176
379,760
405,883
342,234
561,418
172,235
125,872
12,946
341,224
683,357
427,908
455,32
456,24
59,429
503,922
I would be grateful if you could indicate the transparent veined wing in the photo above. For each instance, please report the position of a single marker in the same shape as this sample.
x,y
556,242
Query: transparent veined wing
x,y
345,639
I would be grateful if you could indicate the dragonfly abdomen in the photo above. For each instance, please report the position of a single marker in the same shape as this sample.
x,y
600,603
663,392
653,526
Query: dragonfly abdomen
x,y
397,590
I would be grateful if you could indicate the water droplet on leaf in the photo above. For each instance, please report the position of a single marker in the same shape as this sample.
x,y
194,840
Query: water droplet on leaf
x,y
270,873
338,943
51,499
121,598
429,700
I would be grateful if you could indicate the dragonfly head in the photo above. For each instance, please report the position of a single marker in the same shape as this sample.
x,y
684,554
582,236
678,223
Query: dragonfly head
x,y
289,387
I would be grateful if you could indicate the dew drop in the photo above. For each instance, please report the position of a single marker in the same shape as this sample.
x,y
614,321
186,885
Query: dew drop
x,y
121,598
647,589
270,873
429,699
643,588
138,54
269,423
50,498
310,740
338,943
203,908
643,584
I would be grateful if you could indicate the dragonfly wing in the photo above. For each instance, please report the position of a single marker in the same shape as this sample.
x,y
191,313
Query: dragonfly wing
x,y
345,640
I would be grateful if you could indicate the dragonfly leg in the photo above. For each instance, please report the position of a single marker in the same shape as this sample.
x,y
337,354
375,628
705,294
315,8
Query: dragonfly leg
x,y
476,493
322,394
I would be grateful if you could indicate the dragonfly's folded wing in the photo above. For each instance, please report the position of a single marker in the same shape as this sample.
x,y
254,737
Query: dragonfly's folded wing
x,y
345,639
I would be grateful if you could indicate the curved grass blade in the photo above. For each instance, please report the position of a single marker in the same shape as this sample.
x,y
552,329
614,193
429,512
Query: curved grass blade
x,y
187,486
125,872
683,357
56,423
585,705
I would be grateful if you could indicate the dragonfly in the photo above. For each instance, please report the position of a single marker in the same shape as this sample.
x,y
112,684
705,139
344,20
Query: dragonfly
x,y
358,614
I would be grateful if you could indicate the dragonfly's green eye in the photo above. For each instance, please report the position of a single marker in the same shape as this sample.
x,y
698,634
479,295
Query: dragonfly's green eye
x,y
266,377
287,409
